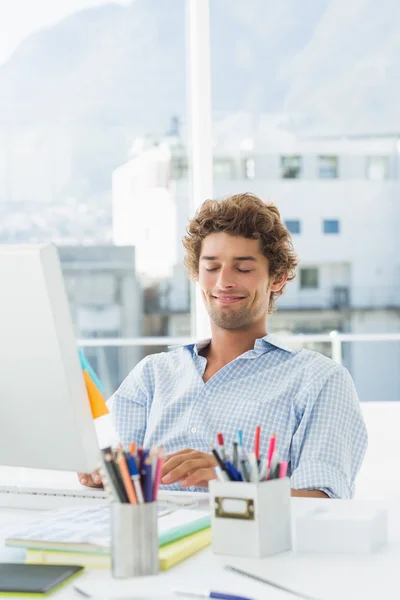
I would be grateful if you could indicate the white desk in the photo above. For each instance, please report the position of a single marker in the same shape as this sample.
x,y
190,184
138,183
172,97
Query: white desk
x,y
320,576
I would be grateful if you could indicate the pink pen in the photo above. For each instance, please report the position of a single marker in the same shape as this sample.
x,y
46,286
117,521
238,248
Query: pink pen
x,y
282,469
257,437
271,449
157,477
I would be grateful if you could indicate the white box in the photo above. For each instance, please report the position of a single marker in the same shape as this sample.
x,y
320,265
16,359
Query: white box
x,y
250,519
341,526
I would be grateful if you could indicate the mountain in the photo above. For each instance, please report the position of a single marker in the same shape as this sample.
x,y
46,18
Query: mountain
x,y
347,78
125,65
330,64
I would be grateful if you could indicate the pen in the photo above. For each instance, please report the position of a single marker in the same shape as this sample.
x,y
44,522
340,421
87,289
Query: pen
x,y
158,470
257,442
233,473
244,470
219,460
111,469
240,438
207,594
253,468
235,455
220,439
126,479
147,480
134,473
271,449
283,469
221,475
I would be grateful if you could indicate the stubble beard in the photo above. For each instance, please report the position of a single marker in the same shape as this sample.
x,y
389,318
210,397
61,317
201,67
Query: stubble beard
x,y
230,320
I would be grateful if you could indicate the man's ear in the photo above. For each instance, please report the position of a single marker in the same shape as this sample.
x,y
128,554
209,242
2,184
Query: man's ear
x,y
278,283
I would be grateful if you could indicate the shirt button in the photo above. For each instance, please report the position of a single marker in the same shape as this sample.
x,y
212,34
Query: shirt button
x,y
208,393
194,429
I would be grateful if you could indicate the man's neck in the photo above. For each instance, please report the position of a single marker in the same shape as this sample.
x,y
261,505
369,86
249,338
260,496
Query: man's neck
x,y
228,344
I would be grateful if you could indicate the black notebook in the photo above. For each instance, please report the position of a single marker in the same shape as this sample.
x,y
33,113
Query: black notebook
x,y
33,579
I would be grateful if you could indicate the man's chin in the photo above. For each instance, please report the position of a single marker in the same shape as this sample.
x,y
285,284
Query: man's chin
x,y
228,321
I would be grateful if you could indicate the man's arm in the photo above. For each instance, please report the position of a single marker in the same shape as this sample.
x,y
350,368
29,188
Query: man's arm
x,y
309,494
331,438
190,467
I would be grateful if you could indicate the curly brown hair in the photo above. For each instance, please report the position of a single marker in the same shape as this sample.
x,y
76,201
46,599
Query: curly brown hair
x,y
248,216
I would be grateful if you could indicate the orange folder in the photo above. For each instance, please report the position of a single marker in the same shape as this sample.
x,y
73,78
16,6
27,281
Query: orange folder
x,y
97,402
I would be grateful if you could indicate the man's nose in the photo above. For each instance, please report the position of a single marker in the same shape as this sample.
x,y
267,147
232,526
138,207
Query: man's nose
x,y
226,279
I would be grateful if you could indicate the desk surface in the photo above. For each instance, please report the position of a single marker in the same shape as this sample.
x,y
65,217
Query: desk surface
x,y
323,577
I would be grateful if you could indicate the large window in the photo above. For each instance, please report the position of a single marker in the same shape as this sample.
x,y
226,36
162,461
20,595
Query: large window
x,y
377,168
331,226
293,226
94,157
309,278
290,167
327,167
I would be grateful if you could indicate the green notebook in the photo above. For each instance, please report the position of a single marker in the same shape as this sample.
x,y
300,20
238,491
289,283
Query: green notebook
x,y
19,579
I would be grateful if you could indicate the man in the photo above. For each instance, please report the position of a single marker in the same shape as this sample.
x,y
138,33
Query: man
x,y
241,255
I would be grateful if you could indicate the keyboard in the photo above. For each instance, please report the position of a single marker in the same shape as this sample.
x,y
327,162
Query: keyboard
x,y
43,498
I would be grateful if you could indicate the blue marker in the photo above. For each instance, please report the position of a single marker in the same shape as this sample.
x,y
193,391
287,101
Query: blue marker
x,y
240,437
233,473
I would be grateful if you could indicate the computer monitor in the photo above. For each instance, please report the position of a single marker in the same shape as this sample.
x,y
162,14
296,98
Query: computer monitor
x,y
45,415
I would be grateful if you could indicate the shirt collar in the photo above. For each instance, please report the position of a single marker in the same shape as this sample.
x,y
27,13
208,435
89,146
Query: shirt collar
x,y
259,347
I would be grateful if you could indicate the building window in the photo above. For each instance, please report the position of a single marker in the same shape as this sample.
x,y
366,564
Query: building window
x,y
327,167
293,226
224,169
309,278
377,168
249,168
331,226
290,167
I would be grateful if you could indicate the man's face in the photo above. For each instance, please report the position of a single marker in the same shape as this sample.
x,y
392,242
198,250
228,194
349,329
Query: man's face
x,y
234,281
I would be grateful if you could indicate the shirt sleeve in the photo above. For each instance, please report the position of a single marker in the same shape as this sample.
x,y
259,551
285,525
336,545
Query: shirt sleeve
x,y
331,438
129,405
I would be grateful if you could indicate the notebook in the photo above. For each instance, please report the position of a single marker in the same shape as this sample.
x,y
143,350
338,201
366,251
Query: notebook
x,y
87,529
170,555
33,579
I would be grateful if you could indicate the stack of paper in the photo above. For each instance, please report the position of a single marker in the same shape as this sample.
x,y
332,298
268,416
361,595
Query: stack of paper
x,y
81,536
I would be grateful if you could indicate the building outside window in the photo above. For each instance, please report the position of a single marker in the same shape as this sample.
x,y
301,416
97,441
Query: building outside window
x,y
224,168
293,226
327,167
331,226
377,168
309,278
249,168
291,167
179,167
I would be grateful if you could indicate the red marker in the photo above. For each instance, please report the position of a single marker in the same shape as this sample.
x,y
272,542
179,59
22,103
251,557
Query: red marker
x,y
271,449
221,445
257,442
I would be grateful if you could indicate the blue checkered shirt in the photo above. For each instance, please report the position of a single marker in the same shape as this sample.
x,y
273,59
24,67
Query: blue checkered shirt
x,y
307,399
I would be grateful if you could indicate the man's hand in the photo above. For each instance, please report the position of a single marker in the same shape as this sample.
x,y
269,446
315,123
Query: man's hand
x,y
189,467
92,480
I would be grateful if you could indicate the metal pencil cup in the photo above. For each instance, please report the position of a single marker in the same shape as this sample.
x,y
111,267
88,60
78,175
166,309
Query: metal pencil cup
x,y
134,539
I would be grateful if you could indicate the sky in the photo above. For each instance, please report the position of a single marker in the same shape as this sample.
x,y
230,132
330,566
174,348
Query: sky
x,y
20,18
